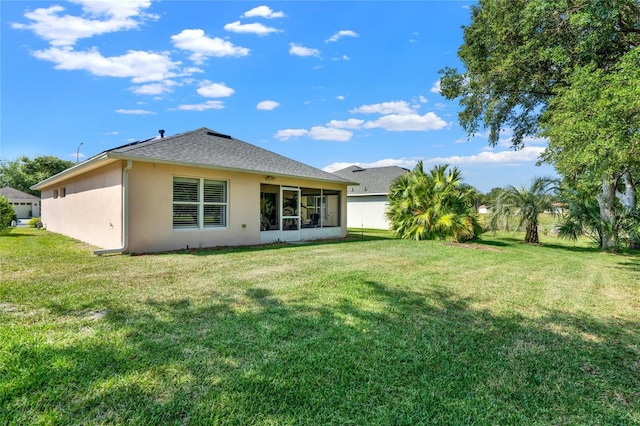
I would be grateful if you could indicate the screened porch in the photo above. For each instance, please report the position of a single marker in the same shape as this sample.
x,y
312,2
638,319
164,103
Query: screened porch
x,y
298,213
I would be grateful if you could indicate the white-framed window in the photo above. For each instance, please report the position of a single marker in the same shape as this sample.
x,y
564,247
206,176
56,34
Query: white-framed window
x,y
55,193
199,203
63,192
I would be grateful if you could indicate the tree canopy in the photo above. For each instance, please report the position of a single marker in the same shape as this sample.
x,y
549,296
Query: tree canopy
x,y
24,172
593,125
518,54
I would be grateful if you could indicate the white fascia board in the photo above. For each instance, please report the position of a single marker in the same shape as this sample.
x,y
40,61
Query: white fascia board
x,y
228,169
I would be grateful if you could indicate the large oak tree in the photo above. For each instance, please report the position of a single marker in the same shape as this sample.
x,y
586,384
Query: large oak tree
x,y
593,128
519,55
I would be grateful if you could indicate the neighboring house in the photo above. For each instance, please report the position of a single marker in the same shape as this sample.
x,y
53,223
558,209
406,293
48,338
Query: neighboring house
x,y
191,190
25,205
367,202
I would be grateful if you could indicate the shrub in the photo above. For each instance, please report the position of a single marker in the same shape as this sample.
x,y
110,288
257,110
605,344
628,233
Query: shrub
x,y
7,214
35,222
432,205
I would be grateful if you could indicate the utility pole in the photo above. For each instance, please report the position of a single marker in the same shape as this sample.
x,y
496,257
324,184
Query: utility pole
x,y
78,152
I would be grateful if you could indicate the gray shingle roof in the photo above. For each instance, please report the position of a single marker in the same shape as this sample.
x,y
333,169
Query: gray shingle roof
x,y
375,180
15,194
207,148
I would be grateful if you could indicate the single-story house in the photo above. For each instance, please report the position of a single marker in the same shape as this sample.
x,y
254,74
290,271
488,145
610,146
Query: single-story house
x,y
195,189
367,202
24,205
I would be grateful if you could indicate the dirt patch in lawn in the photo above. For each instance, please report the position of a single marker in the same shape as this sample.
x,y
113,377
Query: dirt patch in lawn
x,y
8,308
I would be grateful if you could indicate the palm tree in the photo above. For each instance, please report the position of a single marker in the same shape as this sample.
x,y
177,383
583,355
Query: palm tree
x,y
583,218
434,205
524,204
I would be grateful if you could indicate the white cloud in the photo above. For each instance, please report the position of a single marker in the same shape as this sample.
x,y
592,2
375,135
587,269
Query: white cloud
x,y
151,89
286,134
407,122
214,90
254,28
527,155
191,70
154,88
262,12
267,105
135,112
202,107
436,87
394,107
298,50
343,33
329,134
505,140
524,156
202,46
352,123
138,65
99,17
340,98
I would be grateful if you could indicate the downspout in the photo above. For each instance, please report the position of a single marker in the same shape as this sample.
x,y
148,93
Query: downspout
x,y
125,214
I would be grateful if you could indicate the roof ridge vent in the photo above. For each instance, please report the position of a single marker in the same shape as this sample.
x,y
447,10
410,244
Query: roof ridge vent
x,y
220,135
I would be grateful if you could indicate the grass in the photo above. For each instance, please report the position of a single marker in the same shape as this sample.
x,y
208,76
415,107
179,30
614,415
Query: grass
x,y
369,330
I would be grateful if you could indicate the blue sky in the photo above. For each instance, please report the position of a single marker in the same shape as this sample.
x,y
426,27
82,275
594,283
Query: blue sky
x,y
330,84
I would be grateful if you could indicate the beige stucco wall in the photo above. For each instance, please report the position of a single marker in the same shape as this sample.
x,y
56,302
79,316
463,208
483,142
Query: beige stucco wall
x,y
151,206
91,210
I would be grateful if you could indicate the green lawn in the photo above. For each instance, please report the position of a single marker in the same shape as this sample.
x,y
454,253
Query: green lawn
x,y
370,330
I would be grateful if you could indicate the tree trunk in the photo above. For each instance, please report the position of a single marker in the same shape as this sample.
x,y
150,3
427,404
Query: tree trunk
x,y
629,203
532,233
631,190
606,201
628,199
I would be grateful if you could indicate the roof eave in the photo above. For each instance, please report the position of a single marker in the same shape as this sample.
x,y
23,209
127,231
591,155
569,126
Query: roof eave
x,y
120,156
81,168
360,194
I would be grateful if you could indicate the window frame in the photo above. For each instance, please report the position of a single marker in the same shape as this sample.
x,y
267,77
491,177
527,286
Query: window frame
x,y
201,204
